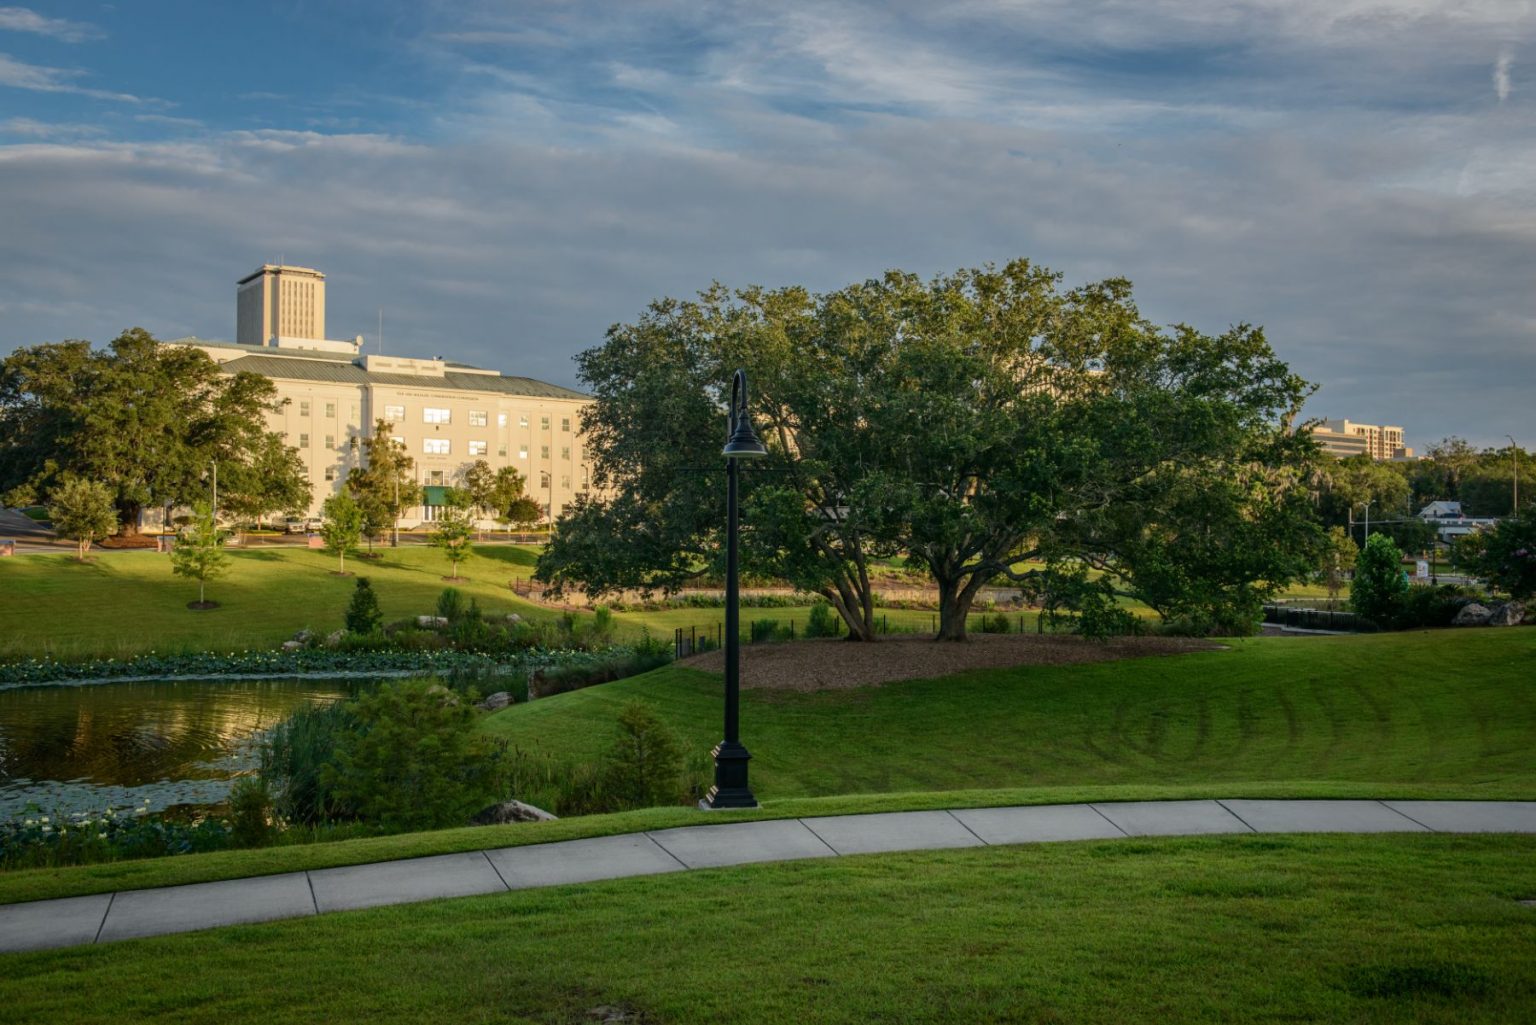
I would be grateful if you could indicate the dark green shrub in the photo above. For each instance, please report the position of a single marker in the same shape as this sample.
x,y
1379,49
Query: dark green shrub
x,y
363,615
450,605
823,622
1429,606
1380,586
763,630
993,624
250,813
295,756
642,769
415,761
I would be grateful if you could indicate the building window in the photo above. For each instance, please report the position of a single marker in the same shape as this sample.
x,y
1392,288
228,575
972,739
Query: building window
x,y
330,441
435,478
565,483
303,407
394,414
477,418
330,410
565,452
501,419
501,451
397,440
356,412
543,480
543,423
435,446
543,451
330,473
565,424
522,421
478,448
434,415
303,441
522,451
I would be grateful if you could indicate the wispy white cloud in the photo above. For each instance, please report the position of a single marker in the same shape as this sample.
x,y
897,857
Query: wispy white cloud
x,y
20,19
37,78
1501,74
32,128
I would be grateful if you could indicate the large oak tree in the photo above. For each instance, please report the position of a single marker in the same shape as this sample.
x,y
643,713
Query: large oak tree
x,y
973,421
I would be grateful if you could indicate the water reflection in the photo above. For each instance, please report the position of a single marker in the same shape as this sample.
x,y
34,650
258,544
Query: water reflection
x,y
86,748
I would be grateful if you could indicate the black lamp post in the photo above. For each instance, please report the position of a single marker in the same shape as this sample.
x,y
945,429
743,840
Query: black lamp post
x,y
730,789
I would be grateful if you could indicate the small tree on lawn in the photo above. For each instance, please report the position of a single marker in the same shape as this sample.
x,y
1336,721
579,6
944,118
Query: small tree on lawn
x,y
454,531
200,553
524,513
343,527
1380,585
363,615
1339,555
82,511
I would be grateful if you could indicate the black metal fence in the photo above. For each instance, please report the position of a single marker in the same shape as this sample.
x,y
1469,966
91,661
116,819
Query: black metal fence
x,y
1317,614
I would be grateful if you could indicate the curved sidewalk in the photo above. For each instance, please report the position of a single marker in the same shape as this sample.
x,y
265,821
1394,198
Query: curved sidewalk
x,y
101,918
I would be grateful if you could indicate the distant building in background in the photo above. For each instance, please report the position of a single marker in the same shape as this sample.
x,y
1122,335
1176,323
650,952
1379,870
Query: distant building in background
x,y
1345,438
1449,521
447,415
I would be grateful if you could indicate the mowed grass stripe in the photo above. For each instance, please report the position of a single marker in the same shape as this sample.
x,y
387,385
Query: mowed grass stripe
x,y
1430,707
126,603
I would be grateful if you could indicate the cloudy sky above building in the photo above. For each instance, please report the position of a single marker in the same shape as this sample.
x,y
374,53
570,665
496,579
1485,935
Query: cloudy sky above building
x,y
506,180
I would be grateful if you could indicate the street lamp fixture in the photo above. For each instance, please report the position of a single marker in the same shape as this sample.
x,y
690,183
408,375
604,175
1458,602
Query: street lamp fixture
x,y
731,757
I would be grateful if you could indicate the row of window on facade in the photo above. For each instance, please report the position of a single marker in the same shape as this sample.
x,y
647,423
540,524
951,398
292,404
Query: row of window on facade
x,y
439,415
444,447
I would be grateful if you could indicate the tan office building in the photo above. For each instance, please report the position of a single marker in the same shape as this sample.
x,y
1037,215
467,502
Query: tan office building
x,y
1348,438
447,415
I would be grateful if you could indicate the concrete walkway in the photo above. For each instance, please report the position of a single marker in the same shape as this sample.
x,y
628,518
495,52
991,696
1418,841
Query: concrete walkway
x,y
105,917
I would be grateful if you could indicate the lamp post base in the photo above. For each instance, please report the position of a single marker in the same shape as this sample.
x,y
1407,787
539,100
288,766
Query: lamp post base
x,y
730,789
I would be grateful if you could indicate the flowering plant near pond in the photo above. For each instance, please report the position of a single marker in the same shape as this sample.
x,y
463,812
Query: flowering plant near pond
x,y
35,840
303,661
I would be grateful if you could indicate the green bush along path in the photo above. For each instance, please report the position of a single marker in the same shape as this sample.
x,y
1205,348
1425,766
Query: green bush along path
x,y
1445,708
1382,928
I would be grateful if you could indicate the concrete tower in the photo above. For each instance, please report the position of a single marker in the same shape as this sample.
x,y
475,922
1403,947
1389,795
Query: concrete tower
x,y
280,302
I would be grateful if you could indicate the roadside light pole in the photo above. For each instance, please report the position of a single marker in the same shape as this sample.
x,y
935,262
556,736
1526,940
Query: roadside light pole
x,y
1514,463
730,789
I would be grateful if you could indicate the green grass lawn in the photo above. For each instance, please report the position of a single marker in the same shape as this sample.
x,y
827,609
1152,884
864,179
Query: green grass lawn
x,y
129,602
1383,928
1447,714
1431,708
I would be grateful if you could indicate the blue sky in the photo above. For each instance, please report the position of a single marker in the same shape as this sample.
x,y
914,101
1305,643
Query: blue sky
x,y
506,180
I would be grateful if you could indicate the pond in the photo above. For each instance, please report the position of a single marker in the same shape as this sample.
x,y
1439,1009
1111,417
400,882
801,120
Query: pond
x,y
161,744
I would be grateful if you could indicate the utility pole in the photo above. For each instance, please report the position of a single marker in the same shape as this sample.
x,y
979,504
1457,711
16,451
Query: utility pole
x,y
1514,462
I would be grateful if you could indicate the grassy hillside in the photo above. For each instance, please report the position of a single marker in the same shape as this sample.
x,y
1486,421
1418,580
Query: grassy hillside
x,y
1434,708
123,603
1380,928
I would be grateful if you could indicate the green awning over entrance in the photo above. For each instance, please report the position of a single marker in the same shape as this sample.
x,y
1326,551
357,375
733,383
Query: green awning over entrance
x,y
432,495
